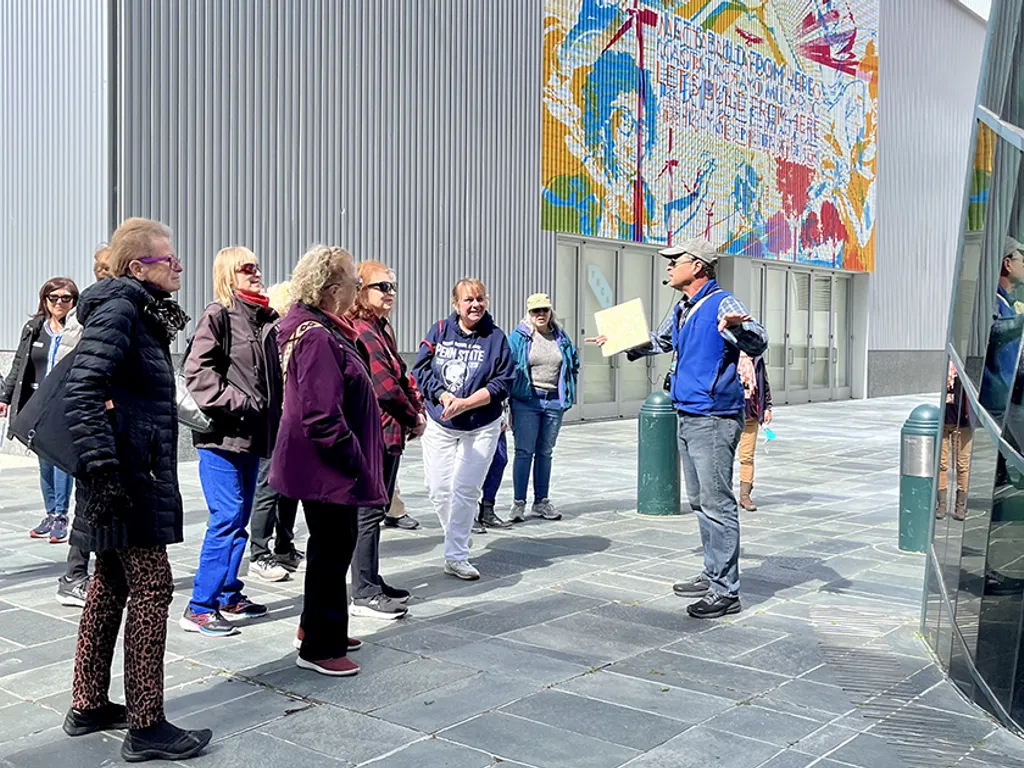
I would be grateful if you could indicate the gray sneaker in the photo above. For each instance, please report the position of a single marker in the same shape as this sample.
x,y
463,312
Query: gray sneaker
x,y
462,568
518,512
268,569
696,587
72,593
546,510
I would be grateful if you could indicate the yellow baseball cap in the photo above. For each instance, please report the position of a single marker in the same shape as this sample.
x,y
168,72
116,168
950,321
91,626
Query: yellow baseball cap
x,y
538,301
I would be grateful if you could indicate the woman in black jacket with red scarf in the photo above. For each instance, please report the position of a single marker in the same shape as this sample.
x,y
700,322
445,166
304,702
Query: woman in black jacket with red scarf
x,y
757,394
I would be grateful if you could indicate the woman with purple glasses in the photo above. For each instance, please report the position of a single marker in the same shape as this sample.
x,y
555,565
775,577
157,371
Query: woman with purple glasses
x,y
233,371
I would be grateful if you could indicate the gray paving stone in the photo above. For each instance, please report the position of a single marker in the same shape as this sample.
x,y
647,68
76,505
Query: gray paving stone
x,y
600,720
254,749
866,751
824,740
680,704
513,661
789,759
516,616
724,643
725,680
341,733
756,722
591,639
241,714
443,707
537,744
24,719
16,661
369,692
807,699
792,655
430,641
437,753
701,747
202,694
95,749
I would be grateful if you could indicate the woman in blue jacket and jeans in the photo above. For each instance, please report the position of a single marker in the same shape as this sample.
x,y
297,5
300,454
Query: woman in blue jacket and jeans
x,y
547,368
464,370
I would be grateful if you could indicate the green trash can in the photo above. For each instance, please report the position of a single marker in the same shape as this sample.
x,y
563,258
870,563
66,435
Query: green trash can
x,y
918,441
658,484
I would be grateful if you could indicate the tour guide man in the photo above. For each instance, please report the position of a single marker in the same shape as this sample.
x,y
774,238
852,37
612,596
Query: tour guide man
x,y
707,331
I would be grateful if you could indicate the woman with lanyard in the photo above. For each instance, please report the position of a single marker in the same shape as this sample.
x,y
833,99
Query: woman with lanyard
x,y
35,358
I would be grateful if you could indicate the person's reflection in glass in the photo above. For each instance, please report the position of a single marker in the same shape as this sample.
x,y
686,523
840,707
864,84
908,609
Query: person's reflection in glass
x,y
957,437
1004,340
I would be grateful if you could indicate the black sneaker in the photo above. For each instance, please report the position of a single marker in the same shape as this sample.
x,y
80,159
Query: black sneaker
x,y
292,561
42,531
477,527
697,587
378,607
163,741
211,624
395,593
72,593
107,718
244,609
488,518
714,606
404,522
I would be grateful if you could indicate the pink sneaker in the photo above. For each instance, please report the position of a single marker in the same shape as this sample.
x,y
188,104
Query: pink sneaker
x,y
354,644
343,667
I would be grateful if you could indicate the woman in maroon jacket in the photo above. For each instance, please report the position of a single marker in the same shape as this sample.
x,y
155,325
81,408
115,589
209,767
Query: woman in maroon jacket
x,y
401,418
329,448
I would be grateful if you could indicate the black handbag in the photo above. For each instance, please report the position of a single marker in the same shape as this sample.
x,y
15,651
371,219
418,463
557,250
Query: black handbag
x,y
41,424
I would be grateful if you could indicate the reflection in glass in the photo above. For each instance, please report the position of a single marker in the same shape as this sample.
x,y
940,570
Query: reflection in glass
x,y
775,324
799,325
999,90
637,278
821,332
596,370
841,335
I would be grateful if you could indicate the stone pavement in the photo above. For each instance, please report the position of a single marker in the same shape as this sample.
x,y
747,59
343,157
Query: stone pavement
x,y
572,650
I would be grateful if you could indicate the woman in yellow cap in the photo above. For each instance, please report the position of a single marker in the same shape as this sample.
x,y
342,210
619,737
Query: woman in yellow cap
x,y
547,368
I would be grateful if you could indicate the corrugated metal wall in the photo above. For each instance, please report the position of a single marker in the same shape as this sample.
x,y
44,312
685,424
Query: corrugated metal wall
x,y
930,59
54,151
404,130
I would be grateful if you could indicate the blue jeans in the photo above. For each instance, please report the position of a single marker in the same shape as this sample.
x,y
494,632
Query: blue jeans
x,y
535,425
56,485
229,485
496,472
707,448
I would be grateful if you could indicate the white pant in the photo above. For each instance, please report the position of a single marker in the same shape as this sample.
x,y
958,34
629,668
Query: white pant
x,y
455,464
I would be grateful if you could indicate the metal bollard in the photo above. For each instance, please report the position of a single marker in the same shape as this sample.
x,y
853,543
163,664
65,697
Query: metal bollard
x,y
658,486
918,440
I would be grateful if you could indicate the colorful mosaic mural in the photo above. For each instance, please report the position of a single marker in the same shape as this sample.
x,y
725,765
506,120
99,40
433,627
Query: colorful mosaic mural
x,y
752,122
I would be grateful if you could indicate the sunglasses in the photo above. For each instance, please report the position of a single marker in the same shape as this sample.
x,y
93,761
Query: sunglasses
x,y
173,261
60,298
540,311
676,262
251,270
385,286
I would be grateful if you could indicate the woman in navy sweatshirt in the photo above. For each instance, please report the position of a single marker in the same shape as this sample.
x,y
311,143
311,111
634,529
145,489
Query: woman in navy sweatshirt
x,y
465,371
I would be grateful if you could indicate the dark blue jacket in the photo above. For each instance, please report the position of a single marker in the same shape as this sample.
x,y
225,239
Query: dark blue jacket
x,y
520,343
451,360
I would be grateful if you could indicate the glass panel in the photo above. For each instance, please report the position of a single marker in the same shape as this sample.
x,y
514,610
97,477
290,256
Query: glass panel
x,y
798,315
637,274
756,279
775,324
596,372
565,289
821,315
1000,79
841,337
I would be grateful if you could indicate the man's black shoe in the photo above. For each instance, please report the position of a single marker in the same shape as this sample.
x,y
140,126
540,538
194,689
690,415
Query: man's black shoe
x,y
404,522
477,527
107,718
714,606
488,519
998,585
697,587
163,741
395,593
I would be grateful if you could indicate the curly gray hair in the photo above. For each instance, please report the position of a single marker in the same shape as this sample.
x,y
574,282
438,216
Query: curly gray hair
x,y
321,267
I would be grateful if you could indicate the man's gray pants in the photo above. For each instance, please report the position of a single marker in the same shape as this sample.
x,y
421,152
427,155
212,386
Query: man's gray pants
x,y
707,448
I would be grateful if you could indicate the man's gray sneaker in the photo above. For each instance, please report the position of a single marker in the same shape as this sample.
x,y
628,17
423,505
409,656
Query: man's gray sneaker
x,y
461,568
268,569
697,587
546,510
378,607
518,512
72,593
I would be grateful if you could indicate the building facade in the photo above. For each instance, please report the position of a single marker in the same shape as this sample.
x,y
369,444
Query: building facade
x,y
420,133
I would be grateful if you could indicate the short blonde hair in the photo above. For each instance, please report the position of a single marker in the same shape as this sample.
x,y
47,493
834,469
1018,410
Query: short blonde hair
x,y
280,297
225,265
469,283
367,270
320,267
101,263
133,240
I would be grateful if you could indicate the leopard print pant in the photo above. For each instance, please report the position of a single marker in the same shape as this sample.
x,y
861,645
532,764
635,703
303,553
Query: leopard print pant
x,y
141,578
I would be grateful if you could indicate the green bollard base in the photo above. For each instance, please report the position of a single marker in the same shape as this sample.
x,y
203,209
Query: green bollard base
x,y
915,513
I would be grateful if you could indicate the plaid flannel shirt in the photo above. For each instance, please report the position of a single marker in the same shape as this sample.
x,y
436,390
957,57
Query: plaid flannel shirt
x,y
400,401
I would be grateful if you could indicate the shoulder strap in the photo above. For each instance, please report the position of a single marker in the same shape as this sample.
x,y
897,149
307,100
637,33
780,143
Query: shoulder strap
x,y
289,345
697,306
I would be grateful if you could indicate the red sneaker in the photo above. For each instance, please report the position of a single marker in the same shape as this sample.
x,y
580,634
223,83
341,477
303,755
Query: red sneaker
x,y
354,644
343,667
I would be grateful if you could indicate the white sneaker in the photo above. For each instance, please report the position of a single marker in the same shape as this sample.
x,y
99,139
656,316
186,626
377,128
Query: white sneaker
x,y
545,509
461,568
268,569
518,512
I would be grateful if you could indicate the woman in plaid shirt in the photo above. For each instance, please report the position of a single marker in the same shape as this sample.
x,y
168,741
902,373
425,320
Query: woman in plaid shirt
x,y
402,417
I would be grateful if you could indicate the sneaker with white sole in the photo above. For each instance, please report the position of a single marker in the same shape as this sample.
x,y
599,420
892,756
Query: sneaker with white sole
x,y
293,561
211,624
517,514
267,568
378,607
341,667
462,568
546,510
72,594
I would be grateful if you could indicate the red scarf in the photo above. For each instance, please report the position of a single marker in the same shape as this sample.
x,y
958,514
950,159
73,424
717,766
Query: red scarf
x,y
254,298
344,322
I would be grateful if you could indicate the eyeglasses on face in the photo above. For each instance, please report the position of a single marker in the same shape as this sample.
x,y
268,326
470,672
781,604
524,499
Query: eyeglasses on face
x,y
60,298
250,270
173,261
385,286
540,311
676,262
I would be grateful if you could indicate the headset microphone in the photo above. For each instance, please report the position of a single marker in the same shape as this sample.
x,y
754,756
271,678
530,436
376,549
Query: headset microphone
x,y
664,282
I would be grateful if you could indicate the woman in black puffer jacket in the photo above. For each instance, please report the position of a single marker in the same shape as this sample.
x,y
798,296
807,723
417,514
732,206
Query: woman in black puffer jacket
x,y
121,413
